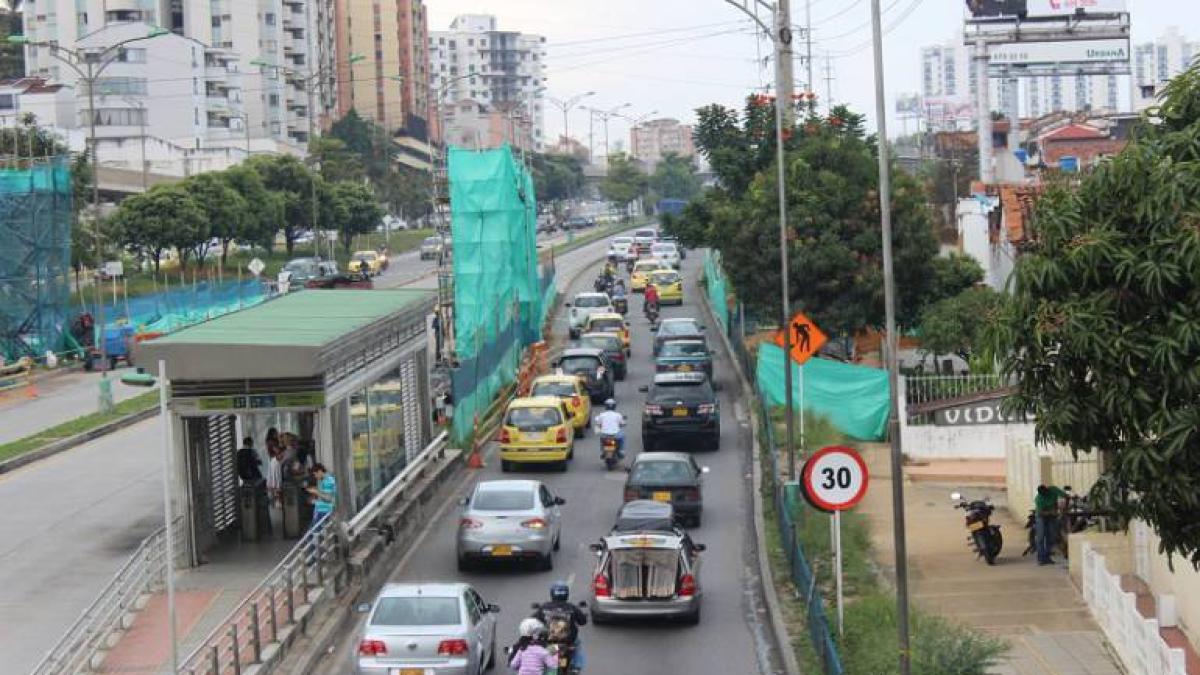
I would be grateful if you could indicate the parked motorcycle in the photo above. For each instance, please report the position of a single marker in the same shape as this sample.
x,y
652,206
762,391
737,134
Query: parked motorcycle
x,y
608,450
1076,517
985,537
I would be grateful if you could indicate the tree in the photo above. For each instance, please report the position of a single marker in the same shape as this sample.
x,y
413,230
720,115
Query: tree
x,y
262,206
675,178
12,56
167,216
625,181
356,211
1103,332
293,183
335,159
957,325
407,190
556,177
226,213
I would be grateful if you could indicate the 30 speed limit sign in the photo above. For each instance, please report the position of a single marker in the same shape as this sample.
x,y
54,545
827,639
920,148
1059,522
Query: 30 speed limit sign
x,y
834,478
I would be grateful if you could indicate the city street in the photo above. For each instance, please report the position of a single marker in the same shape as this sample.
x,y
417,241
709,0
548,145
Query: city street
x,y
73,519
729,637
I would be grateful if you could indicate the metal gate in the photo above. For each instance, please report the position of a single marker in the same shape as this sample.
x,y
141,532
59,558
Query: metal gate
x,y
212,473
414,394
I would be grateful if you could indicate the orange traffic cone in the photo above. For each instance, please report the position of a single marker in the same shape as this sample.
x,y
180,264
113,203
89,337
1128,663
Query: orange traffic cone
x,y
475,460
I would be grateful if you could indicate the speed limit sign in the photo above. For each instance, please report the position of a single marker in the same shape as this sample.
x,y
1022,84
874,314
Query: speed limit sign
x,y
834,478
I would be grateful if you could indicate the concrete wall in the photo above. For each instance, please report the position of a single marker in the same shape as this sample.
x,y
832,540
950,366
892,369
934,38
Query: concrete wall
x,y
985,441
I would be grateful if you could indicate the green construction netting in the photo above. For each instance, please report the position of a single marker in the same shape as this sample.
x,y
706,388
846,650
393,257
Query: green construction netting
x,y
718,289
35,256
854,398
498,298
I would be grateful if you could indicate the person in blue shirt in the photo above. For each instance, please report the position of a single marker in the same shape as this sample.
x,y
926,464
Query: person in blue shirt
x,y
324,493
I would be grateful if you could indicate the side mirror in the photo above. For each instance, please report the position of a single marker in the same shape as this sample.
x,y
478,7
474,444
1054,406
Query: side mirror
x,y
704,469
494,609
535,606
644,388
653,328
596,548
699,547
362,608
566,304
955,496
462,501
559,501
583,604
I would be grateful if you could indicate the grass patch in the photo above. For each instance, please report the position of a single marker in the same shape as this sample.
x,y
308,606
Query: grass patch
x,y
78,425
870,644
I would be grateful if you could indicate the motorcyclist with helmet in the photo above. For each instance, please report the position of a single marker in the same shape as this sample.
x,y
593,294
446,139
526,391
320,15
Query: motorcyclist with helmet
x,y
562,621
611,423
530,656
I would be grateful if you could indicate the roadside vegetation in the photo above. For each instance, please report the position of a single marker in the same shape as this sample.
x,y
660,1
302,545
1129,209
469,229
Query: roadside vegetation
x,y
77,426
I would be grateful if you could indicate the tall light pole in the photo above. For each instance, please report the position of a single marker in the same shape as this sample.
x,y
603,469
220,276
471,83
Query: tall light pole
x,y
88,64
565,106
605,116
780,31
899,537
311,82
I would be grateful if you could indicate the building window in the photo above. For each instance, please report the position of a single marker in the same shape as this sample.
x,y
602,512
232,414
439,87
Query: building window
x,y
116,117
471,42
121,86
273,100
452,45
132,55
216,21
269,18
8,102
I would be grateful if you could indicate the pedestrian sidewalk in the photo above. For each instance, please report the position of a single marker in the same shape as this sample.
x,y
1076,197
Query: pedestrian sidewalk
x,y
1035,609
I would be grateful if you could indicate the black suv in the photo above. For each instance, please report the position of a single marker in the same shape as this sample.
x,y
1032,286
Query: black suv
x,y
590,365
681,406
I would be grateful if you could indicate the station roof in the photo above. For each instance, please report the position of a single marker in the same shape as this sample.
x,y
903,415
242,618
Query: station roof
x,y
291,336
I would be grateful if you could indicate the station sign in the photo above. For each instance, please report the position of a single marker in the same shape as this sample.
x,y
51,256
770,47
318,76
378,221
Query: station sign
x,y
311,399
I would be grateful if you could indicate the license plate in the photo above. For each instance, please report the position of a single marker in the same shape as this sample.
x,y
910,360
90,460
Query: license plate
x,y
409,671
662,496
502,551
685,368
680,412
977,525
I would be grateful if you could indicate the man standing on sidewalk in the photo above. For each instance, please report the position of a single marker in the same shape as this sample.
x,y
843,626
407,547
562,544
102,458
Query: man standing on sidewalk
x,y
1045,507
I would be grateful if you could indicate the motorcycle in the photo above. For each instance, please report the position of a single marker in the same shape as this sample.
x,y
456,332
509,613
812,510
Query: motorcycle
x,y
558,638
609,445
621,304
629,264
651,311
985,538
1075,518
602,284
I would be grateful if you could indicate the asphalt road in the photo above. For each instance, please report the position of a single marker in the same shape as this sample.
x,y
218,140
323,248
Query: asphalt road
x,y
729,638
71,521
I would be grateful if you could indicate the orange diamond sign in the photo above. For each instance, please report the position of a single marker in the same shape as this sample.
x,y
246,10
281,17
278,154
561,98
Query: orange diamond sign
x,y
806,338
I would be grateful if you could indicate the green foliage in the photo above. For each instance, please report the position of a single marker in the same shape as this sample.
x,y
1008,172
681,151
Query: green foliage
x,y
335,160
165,217
556,177
675,178
403,188
12,56
355,211
288,178
1103,330
625,181
262,206
225,210
957,325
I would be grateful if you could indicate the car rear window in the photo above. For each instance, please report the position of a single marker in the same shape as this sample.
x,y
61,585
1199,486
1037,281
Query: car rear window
x,y
662,248
647,266
690,393
645,234
534,419
591,301
606,324
682,348
678,328
364,256
665,277
419,611
607,342
579,364
553,389
661,473
503,500
644,573
622,240
433,241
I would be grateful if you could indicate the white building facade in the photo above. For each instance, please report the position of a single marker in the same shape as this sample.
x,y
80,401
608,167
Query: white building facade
x,y
1155,63
503,70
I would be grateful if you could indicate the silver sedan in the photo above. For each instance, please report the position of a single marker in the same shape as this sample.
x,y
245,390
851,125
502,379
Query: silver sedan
x,y
507,520
428,629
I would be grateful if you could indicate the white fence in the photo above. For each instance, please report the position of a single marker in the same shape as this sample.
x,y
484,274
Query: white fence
x,y
923,439
1028,465
1135,638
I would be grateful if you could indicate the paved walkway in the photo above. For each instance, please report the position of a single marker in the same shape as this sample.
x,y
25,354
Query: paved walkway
x,y
1036,609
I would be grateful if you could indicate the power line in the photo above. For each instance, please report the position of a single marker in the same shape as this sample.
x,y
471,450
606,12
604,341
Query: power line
x,y
839,13
682,29
639,52
653,43
851,51
861,26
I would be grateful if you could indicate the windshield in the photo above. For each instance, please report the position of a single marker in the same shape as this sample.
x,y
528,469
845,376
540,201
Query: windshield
x,y
418,611
663,248
503,500
534,419
617,241
690,393
591,301
579,364
604,325
661,473
665,277
300,266
609,343
644,234
680,348
559,389
364,256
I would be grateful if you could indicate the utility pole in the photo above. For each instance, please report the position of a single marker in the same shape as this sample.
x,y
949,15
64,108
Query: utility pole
x,y
983,113
889,304
808,59
828,82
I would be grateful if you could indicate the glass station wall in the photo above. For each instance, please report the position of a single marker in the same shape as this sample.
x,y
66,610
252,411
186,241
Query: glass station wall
x,y
389,425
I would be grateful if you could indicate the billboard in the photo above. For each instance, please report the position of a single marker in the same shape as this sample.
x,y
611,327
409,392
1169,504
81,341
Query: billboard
x,y
1078,52
908,104
1061,7
944,113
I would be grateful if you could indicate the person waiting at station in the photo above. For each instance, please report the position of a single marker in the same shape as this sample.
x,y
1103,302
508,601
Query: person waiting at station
x,y
324,493
249,464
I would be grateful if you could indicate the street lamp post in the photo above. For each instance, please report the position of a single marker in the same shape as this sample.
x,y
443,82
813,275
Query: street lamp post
x,y
88,64
606,115
565,106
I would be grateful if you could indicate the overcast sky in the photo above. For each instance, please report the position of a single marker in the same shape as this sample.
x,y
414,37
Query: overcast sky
x,y
673,56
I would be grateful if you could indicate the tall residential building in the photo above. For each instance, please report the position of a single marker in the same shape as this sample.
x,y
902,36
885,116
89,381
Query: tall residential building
x,y
652,140
501,70
390,85
1155,63
290,36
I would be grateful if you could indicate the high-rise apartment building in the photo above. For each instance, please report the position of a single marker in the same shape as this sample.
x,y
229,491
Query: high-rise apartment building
x,y
652,140
390,84
501,70
1155,63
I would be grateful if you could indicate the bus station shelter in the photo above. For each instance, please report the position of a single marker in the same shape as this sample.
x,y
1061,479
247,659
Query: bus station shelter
x,y
343,371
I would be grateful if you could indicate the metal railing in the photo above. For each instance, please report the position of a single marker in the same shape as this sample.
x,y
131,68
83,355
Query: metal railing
x,y
923,389
381,502
142,574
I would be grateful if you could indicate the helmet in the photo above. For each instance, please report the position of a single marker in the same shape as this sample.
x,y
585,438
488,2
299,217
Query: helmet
x,y
560,591
610,404
531,627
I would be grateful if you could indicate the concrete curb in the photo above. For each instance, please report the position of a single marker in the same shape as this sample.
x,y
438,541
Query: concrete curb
x,y
64,444
787,654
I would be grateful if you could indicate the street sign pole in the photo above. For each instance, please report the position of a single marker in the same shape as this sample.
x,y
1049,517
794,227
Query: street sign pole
x,y
837,562
834,479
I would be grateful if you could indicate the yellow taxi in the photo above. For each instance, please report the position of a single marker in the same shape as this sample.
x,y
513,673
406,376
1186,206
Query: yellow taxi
x,y
536,430
669,285
570,390
608,322
641,272
374,262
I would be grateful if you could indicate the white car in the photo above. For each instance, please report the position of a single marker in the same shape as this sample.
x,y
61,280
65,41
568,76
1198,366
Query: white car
x,y
666,252
583,306
620,249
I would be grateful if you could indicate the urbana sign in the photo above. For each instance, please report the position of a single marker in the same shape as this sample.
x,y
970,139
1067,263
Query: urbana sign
x,y
1059,7
1085,51
972,414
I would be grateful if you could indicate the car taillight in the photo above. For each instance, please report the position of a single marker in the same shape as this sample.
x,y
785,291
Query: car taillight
x,y
505,437
534,524
576,401
600,586
653,409
687,586
562,435
452,648
631,494
469,524
372,648
706,408
661,367
690,494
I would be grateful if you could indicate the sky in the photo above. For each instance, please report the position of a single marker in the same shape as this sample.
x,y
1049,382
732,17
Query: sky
x,y
673,56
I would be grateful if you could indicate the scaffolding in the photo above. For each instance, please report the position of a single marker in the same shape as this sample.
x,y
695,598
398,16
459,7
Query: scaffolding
x,y
35,254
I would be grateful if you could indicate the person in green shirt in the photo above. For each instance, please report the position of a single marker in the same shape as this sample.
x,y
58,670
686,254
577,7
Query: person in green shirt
x,y
1045,507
